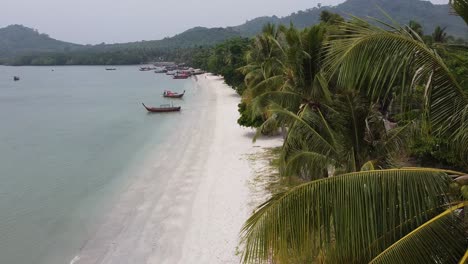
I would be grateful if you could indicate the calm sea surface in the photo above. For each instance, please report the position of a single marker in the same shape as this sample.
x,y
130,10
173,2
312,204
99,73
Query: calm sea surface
x,y
69,139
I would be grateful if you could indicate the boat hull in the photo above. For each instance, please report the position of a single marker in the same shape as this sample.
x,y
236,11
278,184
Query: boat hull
x,y
181,77
162,109
177,95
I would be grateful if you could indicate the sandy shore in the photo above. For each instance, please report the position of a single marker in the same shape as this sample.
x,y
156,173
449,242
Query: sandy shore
x,y
193,213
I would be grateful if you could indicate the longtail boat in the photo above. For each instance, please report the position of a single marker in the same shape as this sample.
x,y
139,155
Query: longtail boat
x,y
162,108
170,94
181,76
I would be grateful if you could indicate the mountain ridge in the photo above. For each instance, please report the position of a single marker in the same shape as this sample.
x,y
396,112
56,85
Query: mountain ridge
x,y
18,40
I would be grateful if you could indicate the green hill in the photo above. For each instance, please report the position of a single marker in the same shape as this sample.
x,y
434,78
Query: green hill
x,y
197,36
402,11
17,40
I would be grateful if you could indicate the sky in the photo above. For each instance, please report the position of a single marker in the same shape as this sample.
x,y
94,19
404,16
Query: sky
x,y
112,21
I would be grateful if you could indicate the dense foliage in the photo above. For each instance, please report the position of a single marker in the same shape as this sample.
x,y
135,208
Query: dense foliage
x,y
359,104
226,59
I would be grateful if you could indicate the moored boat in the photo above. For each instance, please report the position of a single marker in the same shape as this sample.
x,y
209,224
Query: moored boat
x,y
160,71
162,108
181,76
111,69
198,72
170,94
147,68
16,78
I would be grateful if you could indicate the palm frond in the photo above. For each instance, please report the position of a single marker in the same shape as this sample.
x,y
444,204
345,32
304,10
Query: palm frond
x,y
352,217
439,240
302,127
312,164
372,58
461,8
397,141
286,100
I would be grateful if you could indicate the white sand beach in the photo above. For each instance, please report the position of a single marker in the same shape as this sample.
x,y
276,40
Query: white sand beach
x,y
195,214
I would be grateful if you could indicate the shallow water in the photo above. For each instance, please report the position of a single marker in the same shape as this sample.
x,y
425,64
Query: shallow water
x,y
70,137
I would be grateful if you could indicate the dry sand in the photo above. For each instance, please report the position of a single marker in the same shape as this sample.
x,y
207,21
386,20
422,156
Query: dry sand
x,y
195,214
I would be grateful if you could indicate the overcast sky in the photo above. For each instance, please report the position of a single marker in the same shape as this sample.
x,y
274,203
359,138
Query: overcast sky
x,y
110,21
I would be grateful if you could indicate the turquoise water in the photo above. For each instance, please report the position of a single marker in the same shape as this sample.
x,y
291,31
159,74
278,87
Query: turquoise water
x,y
69,137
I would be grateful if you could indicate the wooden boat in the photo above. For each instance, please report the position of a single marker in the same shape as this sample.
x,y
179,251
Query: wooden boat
x,y
198,72
162,108
181,76
170,94
146,68
16,78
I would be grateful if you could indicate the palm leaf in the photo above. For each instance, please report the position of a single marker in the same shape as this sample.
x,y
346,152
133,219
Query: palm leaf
x,y
461,8
439,240
350,218
302,127
285,99
307,163
372,58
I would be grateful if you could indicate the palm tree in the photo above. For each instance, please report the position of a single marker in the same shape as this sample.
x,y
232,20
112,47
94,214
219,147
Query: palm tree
x,y
439,35
262,67
416,27
411,215
289,76
346,135
381,63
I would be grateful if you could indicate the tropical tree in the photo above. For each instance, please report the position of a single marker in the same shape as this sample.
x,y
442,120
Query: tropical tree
x,y
416,27
288,76
261,66
382,63
439,35
410,215
346,135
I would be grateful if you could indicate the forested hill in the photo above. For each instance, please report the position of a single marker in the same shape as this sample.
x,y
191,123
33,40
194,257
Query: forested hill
x,y
21,45
424,12
17,39
197,36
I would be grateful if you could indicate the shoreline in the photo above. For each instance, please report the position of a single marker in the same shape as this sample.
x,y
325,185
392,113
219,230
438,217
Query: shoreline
x,y
195,214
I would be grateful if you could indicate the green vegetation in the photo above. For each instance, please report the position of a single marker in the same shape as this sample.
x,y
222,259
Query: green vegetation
x,y
361,106
429,15
226,58
17,40
24,46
